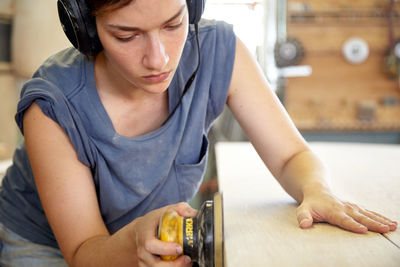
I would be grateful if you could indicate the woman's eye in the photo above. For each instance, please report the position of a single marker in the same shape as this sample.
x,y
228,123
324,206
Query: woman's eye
x,y
174,26
126,39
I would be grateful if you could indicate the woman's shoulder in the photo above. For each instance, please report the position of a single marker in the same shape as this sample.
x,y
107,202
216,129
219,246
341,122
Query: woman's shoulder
x,y
65,70
209,28
214,25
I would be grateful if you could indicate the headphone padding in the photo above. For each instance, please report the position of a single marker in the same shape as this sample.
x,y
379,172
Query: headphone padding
x,y
195,9
79,26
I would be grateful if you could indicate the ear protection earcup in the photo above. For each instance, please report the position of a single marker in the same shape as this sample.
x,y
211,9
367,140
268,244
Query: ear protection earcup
x,y
195,9
80,26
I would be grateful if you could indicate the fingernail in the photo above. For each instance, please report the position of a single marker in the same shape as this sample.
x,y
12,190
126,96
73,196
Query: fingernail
x,y
191,211
303,222
187,259
179,250
363,228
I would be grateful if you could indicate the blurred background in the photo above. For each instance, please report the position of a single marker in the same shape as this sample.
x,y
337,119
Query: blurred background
x,y
335,65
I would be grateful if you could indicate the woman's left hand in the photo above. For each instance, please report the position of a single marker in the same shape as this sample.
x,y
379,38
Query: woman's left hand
x,y
325,207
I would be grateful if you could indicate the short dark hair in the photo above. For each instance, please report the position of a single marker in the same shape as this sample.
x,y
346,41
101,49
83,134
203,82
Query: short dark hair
x,y
100,7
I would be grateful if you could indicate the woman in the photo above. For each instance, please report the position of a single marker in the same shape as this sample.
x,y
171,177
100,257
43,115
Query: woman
x,y
116,136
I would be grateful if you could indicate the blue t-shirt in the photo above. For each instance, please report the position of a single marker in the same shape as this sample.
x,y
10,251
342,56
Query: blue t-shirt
x,y
132,175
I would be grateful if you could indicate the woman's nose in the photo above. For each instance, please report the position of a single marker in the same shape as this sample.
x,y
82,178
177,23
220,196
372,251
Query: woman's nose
x,y
155,56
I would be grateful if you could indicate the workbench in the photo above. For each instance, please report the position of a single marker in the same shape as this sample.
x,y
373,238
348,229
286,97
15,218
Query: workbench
x,y
260,224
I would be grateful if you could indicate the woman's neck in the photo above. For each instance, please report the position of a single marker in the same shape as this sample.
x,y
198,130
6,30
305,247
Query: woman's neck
x,y
132,111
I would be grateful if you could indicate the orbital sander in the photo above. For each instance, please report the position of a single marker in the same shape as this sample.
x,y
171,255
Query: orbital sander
x,y
201,236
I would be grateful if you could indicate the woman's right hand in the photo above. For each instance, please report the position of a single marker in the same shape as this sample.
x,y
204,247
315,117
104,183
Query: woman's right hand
x,y
148,247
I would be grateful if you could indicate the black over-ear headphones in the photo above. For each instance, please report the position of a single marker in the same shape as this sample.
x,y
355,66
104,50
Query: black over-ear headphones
x,y
80,27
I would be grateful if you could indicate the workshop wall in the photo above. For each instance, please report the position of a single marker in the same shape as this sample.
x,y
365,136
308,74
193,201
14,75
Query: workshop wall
x,y
29,33
8,100
36,35
8,131
353,94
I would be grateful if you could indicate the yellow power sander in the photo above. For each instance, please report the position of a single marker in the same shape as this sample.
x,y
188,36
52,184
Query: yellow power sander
x,y
201,237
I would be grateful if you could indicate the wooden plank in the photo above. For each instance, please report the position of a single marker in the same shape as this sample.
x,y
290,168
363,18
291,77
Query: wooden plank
x,y
260,223
368,174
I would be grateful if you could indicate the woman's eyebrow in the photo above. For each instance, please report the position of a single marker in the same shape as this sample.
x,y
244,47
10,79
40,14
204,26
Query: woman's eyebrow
x,y
129,28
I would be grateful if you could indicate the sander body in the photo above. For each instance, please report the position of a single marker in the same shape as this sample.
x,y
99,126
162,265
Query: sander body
x,y
201,236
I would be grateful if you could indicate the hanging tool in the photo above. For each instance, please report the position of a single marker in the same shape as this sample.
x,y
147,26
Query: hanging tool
x,y
392,59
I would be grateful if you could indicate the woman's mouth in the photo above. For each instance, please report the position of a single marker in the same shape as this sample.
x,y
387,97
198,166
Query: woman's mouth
x,y
158,77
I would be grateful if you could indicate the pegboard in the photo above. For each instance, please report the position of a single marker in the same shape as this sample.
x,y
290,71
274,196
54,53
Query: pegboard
x,y
339,95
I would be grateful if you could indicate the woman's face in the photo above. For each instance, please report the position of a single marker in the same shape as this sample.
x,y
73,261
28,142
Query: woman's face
x,y
143,42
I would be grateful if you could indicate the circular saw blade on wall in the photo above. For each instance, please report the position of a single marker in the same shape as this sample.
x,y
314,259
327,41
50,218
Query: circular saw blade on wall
x,y
355,50
288,52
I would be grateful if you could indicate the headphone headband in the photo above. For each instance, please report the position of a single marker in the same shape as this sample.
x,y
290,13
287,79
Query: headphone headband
x,y
80,26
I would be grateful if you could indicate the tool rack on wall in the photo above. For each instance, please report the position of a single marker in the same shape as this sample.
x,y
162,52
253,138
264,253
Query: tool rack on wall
x,y
342,96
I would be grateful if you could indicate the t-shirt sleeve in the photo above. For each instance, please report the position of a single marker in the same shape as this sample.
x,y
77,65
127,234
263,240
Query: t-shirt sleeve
x,y
56,106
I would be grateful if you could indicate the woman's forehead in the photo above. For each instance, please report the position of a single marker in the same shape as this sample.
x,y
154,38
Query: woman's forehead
x,y
101,7
145,13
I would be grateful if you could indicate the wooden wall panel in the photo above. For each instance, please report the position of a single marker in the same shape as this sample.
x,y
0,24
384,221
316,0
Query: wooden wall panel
x,y
331,97
330,38
328,99
329,4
